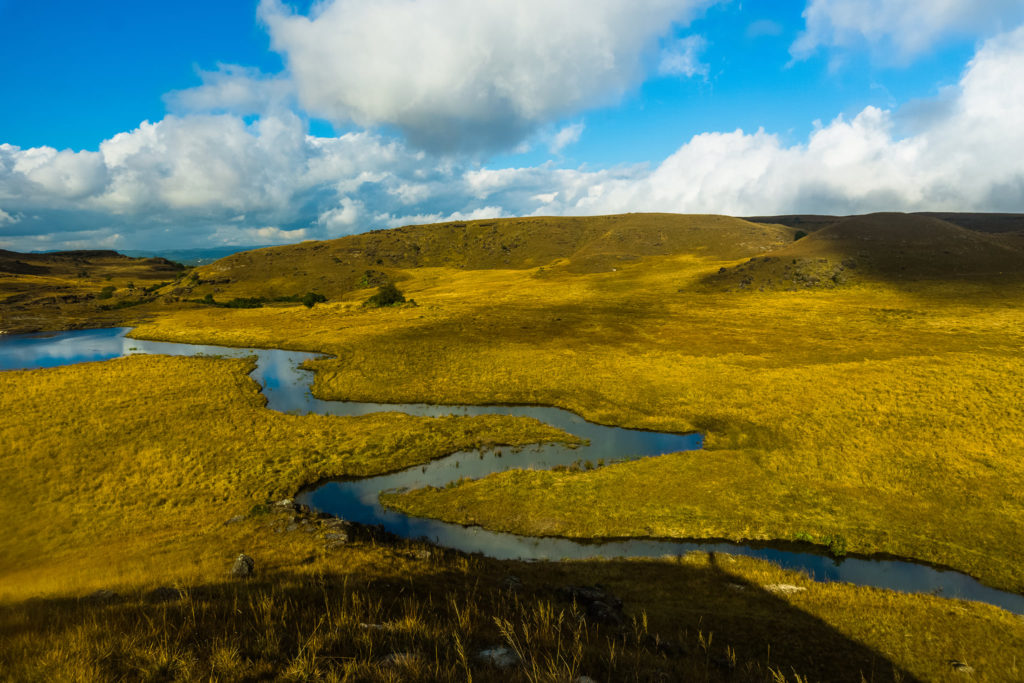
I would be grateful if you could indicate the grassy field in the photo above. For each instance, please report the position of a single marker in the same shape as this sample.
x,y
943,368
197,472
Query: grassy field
x,y
145,464
878,413
882,413
66,290
134,451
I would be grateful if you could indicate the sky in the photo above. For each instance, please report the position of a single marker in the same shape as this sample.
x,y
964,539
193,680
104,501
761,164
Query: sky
x,y
163,125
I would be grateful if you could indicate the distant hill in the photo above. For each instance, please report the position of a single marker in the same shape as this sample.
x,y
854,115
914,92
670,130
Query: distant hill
x,y
587,244
882,246
85,264
192,257
980,222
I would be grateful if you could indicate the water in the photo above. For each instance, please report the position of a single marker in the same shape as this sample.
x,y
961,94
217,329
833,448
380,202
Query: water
x,y
286,386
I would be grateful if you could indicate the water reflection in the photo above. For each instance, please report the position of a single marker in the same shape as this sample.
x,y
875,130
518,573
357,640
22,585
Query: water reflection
x,y
286,387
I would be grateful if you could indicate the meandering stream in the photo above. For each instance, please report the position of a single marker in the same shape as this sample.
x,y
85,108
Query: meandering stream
x,y
287,388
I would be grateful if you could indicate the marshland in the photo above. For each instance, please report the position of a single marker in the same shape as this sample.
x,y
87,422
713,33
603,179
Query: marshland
x,y
868,416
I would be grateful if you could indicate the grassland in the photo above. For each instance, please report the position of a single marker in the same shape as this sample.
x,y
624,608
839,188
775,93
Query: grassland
x,y
66,290
883,411
136,450
146,464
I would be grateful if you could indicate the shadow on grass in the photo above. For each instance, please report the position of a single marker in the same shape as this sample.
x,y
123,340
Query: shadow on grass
x,y
431,619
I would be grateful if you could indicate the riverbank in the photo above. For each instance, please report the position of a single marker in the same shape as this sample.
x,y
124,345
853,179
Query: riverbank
x,y
884,415
135,502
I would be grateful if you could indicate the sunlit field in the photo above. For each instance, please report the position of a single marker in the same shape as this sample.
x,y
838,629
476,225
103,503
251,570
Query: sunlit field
x,y
879,414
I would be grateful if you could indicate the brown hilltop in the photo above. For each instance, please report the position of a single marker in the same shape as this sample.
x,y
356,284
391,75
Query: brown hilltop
x,y
575,244
880,246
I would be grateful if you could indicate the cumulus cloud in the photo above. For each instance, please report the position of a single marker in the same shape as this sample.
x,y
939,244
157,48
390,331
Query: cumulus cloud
x,y
8,219
968,157
235,89
186,178
909,27
566,136
343,219
465,75
682,58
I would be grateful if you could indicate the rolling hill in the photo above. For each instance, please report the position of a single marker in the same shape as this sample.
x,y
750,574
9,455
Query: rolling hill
x,y
579,245
881,246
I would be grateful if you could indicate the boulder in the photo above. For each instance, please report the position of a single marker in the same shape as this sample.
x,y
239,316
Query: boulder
x,y
244,566
599,604
500,657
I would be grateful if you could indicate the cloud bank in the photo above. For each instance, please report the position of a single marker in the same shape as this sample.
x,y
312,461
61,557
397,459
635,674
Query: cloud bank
x,y
223,178
904,27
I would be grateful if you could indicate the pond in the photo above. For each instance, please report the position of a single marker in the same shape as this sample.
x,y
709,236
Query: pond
x,y
287,388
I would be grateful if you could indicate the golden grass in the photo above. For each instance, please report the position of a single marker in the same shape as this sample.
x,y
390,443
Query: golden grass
x,y
121,474
887,416
108,468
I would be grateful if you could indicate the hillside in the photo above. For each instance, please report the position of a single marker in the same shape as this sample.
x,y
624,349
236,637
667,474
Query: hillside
x,y
994,223
579,245
882,246
58,290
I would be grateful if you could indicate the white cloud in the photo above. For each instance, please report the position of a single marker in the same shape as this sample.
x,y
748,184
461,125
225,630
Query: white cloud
x,y
566,136
186,178
968,157
235,89
8,219
267,235
683,58
910,27
342,220
457,75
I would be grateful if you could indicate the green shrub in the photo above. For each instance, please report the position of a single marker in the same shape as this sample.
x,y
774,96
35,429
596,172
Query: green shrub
x,y
387,295
311,299
106,292
799,234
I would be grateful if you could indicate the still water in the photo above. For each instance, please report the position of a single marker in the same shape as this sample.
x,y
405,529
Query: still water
x,y
287,388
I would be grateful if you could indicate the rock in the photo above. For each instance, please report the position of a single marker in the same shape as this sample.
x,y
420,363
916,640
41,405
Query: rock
x,y
336,539
286,503
236,519
103,597
512,583
499,657
784,588
597,602
961,667
584,679
163,594
244,566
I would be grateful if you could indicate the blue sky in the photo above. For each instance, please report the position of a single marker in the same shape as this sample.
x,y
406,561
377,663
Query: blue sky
x,y
145,125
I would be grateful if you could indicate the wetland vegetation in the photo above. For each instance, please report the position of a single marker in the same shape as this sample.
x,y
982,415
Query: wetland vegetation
x,y
875,412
